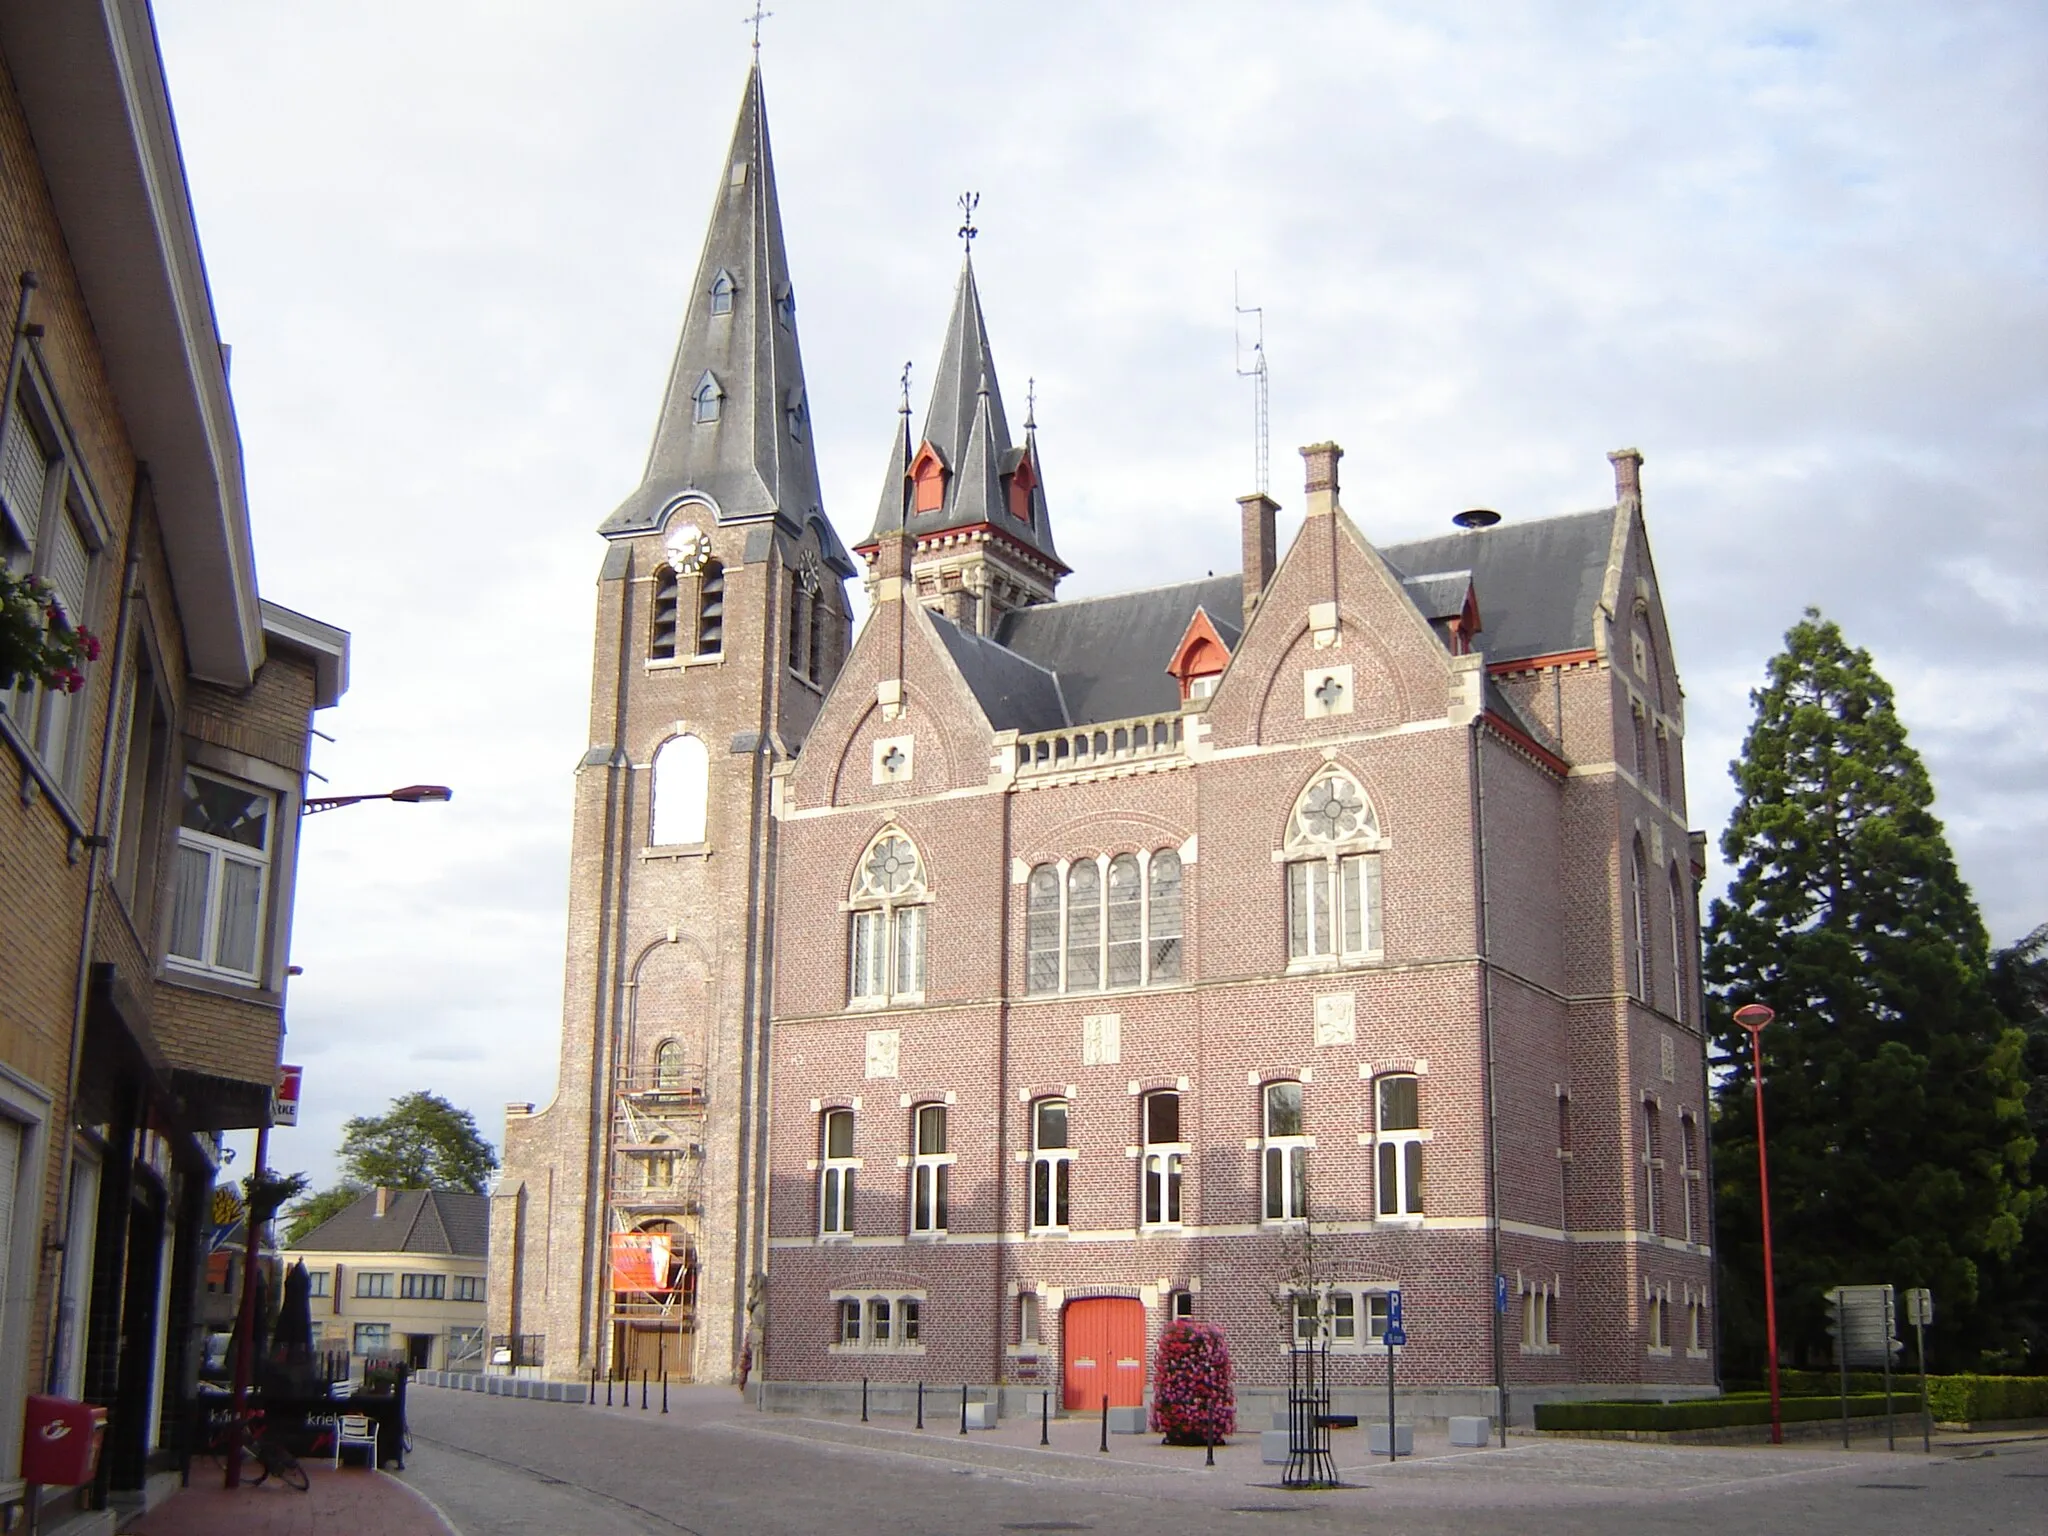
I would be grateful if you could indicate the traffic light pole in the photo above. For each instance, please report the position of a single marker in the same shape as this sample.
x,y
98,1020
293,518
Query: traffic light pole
x,y
1758,1017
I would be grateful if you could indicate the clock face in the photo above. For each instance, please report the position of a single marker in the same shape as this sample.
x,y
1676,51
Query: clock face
x,y
687,547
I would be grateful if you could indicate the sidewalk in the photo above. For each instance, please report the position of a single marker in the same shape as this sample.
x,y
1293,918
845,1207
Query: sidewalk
x,y
349,1502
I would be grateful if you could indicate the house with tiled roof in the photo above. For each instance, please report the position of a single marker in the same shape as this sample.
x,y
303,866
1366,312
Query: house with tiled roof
x,y
401,1273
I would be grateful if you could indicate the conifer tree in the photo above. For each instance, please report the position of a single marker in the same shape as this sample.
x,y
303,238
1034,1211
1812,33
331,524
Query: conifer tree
x,y
1899,1146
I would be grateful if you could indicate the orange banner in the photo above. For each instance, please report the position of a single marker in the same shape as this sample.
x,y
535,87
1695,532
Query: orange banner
x,y
642,1261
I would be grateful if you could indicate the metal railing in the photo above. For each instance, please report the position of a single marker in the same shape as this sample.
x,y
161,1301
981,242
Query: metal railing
x,y
1076,749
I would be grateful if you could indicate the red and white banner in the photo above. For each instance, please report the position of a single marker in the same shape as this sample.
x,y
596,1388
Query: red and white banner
x,y
284,1102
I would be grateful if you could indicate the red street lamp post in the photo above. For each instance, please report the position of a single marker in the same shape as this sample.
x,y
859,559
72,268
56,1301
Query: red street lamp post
x,y
1753,1017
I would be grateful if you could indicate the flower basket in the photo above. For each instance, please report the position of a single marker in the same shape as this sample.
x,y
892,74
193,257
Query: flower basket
x,y
1192,1399
37,643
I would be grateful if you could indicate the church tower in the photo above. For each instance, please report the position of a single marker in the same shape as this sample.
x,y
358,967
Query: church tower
x,y
627,1224
973,503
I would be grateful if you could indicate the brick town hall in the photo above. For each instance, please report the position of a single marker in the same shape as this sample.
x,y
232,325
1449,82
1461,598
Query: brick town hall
x,y
965,999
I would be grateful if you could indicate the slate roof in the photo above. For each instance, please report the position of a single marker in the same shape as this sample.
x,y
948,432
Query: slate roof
x,y
967,426
754,461
1111,652
1016,693
1538,582
437,1221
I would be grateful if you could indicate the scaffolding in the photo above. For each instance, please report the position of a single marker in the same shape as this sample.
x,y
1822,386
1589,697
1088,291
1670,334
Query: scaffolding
x,y
656,1199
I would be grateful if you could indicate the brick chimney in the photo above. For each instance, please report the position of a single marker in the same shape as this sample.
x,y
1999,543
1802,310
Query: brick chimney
x,y
1260,555
1321,459
1628,476
383,1201
892,565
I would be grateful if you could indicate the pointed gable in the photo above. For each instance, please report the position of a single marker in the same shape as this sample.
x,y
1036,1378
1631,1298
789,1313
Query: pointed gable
x,y
734,427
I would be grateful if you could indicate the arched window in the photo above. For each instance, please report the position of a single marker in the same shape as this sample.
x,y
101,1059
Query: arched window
x,y
661,636
722,290
1286,1154
837,1166
821,613
928,481
888,921
1163,916
1084,927
1639,905
1052,1162
705,399
1126,913
1642,741
1042,930
1681,973
1333,883
711,609
931,1169
1164,1154
668,1066
682,792
1397,1130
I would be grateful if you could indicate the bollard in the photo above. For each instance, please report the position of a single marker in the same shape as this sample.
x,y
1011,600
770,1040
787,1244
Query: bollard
x,y
1105,1423
664,1391
607,1390
591,1401
963,1407
863,1399
643,1391
1210,1459
920,1405
1044,1418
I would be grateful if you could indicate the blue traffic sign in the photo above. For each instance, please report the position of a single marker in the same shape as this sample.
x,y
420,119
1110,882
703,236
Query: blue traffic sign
x,y
1500,1293
1396,1336
1393,1309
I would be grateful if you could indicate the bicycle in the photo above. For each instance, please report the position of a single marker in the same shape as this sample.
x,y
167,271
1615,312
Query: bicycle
x,y
260,1448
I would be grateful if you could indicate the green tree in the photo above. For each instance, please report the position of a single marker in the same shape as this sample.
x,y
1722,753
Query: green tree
x,y
1899,1147
2019,985
421,1142
308,1213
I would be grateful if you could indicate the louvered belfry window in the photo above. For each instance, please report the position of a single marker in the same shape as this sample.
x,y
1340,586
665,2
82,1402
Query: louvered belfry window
x,y
711,609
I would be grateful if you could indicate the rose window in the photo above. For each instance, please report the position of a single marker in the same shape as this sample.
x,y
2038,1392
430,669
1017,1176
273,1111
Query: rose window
x,y
892,867
1333,810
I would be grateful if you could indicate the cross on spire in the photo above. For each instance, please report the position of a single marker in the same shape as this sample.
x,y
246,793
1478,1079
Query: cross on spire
x,y
1031,404
906,389
755,21
969,201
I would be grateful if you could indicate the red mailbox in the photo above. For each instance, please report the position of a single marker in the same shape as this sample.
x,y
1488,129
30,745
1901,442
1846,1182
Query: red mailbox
x,y
60,1441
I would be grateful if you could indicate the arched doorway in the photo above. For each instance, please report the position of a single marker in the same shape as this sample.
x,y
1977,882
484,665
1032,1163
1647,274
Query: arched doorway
x,y
654,1300
1103,1349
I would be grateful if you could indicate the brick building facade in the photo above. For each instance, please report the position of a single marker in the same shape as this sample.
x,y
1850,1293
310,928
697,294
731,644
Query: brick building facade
x,y
1240,949
148,832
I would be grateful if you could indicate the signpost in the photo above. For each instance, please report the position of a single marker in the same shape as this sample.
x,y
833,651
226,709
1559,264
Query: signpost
x,y
1396,1336
284,1099
1863,1319
1920,1312
1500,1369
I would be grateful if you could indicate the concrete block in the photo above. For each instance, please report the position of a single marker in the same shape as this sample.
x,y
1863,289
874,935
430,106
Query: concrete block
x,y
1470,1432
1273,1447
1279,1418
1376,1439
981,1415
1127,1421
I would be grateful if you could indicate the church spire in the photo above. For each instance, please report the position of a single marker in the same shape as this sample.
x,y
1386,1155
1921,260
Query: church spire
x,y
735,424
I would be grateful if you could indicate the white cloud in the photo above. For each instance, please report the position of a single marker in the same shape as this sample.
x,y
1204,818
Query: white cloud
x,y
1797,264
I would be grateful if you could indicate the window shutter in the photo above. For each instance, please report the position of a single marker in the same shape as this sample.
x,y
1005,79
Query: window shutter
x,y
70,567
24,471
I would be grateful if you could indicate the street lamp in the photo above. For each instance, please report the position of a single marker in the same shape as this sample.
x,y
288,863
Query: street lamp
x,y
245,1320
411,794
1753,1017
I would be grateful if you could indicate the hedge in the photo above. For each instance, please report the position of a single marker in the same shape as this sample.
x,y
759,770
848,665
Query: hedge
x,y
1953,1399
1704,1412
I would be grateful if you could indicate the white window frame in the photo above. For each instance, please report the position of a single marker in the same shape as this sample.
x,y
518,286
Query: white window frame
x,y
320,1284
1411,1162
836,1174
1283,1159
356,1346
1653,1170
383,1290
220,851
931,1171
1162,1169
1349,1316
884,1321
888,942
1331,896
1050,943
26,1108
469,1288
422,1285
1539,1318
1052,1168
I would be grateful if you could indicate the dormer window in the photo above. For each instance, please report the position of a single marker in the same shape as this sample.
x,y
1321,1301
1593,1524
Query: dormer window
x,y
928,480
1198,661
785,308
707,396
722,289
798,414
1022,484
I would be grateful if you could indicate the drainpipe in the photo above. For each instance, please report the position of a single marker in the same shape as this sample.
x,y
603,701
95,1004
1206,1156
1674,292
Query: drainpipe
x,y
96,846
1500,1369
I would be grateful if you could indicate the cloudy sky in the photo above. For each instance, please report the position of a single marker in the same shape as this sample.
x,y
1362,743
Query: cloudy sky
x,y
1792,252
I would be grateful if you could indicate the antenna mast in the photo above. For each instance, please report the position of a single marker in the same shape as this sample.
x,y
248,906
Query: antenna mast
x,y
1257,374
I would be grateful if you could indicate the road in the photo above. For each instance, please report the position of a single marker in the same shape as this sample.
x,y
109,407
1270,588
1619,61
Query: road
x,y
504,1467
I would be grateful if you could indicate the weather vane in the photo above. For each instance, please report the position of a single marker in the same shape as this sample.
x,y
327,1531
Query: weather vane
x,y
906,389
755,20
1030,403
969,201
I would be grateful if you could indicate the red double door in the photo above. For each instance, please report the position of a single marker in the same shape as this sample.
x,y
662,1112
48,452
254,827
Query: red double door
x,y
1104,1346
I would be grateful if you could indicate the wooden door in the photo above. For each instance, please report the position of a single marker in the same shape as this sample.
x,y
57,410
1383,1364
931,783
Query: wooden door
x,y
1103,1343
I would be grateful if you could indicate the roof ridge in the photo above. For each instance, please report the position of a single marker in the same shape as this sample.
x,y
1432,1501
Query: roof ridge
x,y
1103,597
982,639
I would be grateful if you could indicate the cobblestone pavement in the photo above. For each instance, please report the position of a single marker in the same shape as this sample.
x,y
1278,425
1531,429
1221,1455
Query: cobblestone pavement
x,y
714,1468
349,1502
